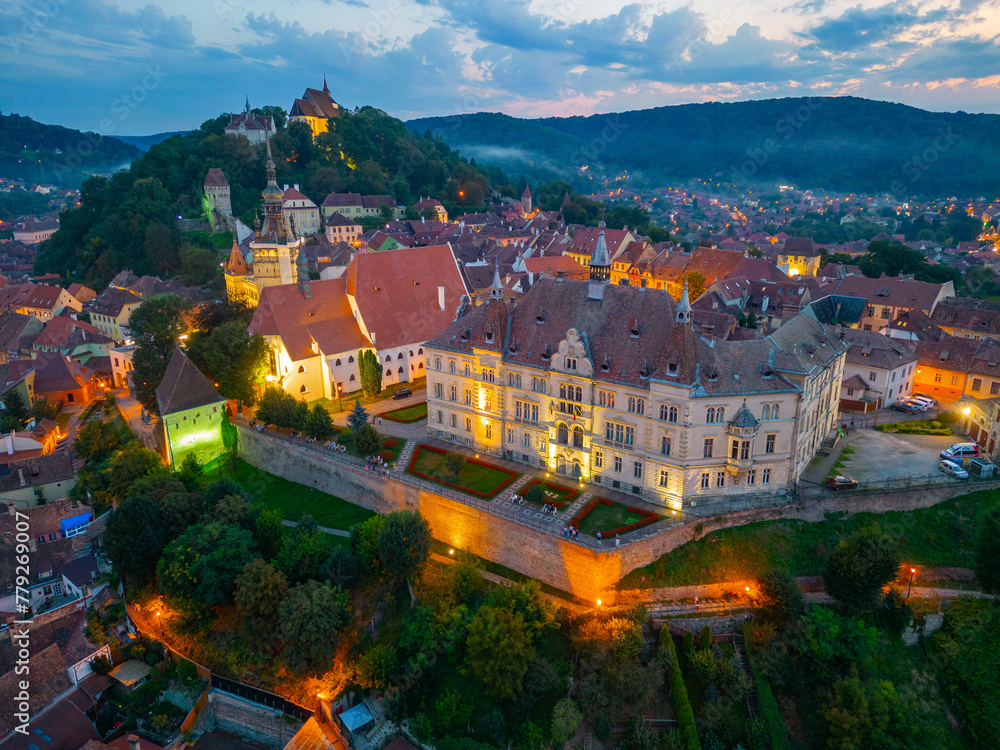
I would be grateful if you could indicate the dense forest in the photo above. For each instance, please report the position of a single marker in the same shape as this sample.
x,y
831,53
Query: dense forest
x,y
130,220
835,143
51,154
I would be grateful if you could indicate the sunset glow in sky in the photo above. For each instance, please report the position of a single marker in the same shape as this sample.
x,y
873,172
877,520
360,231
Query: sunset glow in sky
x,y
145,66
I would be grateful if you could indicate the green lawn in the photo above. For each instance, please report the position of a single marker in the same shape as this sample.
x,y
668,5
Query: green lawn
x,y
346,438
477,478
555,494
940,536
407,414
291,498
604,518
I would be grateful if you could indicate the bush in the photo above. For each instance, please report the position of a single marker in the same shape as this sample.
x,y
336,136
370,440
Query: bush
x,y
705,639
101,665
367,440
688,646
390,443
682,706
386,456
536,494
768,706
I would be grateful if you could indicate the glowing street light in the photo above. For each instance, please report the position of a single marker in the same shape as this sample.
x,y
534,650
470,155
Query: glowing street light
x,y
910,585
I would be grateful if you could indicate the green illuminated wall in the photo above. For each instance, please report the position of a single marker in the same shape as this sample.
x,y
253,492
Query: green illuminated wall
x,y
197,431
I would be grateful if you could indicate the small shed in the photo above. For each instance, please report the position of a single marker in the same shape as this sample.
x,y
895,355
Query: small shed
x,y
356,719
131,674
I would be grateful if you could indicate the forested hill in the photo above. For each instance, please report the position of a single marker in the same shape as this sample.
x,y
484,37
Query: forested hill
x,y
51,154
130,220
837,143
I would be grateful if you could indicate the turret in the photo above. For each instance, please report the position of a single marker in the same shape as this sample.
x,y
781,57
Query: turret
x,y
683,313
600,261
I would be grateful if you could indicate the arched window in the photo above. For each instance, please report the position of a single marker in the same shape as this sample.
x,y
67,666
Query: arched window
x,y
411,352
631,404
303,389
388,358
388,372
302,368
720,414
672,415
765,412
577,437
579,394
399,371
420,366
710,415
420,350
350,360
774,411
400,356
640,406
352,379
337,363
468,372
563,435
451,365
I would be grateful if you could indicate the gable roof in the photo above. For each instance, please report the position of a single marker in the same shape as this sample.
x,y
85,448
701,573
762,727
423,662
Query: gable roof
x,y
216,178
892,291
184,387
978,316
54,371
874,350
799,246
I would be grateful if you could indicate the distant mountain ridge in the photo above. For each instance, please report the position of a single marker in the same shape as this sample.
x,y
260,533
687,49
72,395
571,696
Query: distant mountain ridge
x,y
836,143
144,142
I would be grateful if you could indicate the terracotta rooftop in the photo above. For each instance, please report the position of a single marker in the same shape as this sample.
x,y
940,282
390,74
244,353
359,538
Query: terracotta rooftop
x,y
215,178
872,349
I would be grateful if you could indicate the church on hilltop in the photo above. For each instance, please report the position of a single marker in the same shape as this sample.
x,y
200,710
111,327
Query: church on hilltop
x,y
255,128
278,256
314,108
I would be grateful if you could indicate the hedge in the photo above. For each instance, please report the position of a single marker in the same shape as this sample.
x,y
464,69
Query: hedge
x,y
512,475
682,706
648,517
768,706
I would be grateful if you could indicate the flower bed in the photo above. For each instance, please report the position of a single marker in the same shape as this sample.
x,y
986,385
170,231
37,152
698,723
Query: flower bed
x,y
407,414
484,480
647,517
568,494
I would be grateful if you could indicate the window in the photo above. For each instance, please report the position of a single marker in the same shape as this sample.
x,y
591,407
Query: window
x,y
994,388
769,443
488,402
489,432
454,421
599,459
352,379
977,384
437,364
885,312
40,538
665,444
468,372
871,375
710,415
570,363
510,434
774,411
562,434
937,377
440,416
303,389
752,477
954,381
637,469
744,450
439,390
606,398
734,452
454,393
543,443
629,436
468,424
337,363
708,448
720,479
468,397
618,463
451,367
577,437
664,477
538,385
720,414
704,481
765,411
765,476
526,439
850,391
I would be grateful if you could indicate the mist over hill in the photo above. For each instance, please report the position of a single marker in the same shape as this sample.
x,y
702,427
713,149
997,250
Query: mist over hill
x,y
836,143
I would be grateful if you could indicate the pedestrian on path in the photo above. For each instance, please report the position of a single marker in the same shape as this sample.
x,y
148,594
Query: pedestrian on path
x,y
379,420
618,541
565,532
600,543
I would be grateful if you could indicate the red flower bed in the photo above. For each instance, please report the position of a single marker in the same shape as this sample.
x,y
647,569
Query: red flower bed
x,y
570,497
411,468
390,443
648,517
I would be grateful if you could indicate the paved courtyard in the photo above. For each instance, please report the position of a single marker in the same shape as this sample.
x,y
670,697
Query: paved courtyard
x,y
884,455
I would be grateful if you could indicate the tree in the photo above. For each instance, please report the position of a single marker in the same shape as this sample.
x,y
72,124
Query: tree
x,y
134,462
302,554
233,358
275,407
267,531
260,591
310,619
178,511
860,566
566,717
498,650
371,372
367,440
404,543
96,440
155,326
695,284
365,542
342,567
780,597
15,411
203,563
134,540
455,462
357,417
319,424
987,559
377,665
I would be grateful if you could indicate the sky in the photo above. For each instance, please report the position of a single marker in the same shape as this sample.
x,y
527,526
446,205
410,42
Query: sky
x,y
124,67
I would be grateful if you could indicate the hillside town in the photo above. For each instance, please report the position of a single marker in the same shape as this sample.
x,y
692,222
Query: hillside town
x,y
235,482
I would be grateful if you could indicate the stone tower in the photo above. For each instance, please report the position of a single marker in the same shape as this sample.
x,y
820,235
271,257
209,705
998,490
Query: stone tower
x,y
276,248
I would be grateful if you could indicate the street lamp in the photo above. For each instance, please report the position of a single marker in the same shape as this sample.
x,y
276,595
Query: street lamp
x,y
912,571
340,396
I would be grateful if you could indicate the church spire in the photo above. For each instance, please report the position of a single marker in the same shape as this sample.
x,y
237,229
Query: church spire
x,y
247,109
683,313
496,288
600,261
325,87
276,228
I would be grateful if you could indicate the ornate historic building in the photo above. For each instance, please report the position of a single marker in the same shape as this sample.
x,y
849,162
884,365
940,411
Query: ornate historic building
x,y
614,385
277,250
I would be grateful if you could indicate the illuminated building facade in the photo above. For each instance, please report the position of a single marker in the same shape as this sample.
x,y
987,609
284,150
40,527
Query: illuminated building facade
x,y
614,385
191,412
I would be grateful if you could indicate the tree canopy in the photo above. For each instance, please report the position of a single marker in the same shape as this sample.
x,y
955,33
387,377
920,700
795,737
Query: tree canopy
x,y
156,327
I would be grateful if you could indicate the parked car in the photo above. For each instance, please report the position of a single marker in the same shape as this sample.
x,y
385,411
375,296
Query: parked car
x,y
905,407
925,404
952,469
401,393
925,397
839,482
960,451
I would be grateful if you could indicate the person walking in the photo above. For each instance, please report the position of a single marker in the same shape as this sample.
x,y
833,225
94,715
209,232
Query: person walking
x,y
379,420
600,543
565,532
618,541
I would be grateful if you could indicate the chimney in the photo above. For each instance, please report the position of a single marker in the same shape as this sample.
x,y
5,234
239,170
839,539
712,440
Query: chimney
x,y
296,186
286,186
10,443
133,742
441,298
